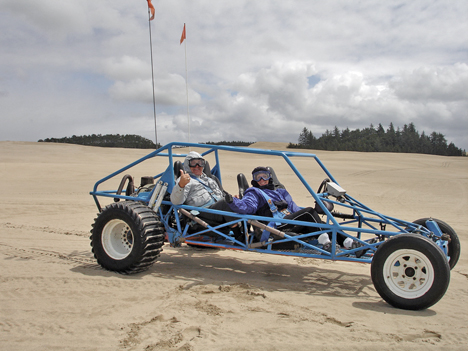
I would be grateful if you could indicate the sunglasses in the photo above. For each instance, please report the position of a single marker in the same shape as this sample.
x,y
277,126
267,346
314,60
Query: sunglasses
x,y
194,162
261,175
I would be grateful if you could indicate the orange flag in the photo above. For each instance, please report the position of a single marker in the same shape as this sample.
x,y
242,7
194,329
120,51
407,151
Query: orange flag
x,y
182,38
151,8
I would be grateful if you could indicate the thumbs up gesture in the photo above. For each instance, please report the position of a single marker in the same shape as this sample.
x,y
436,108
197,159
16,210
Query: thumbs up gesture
x,y
184,179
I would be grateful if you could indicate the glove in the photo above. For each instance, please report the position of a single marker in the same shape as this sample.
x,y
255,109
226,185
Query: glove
x,y
228,198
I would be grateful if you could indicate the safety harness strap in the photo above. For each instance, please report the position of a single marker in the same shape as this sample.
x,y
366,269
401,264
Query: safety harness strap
x,y
274,212
214,198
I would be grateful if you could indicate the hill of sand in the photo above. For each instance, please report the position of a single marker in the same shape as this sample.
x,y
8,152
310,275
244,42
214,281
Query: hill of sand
x,y
54,296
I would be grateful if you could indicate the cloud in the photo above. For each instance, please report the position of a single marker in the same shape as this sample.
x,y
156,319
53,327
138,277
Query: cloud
x,y
275,103
259,70
125,68
170,90
56,20
433,84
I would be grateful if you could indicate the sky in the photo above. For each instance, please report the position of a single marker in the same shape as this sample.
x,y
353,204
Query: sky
x,y
248,70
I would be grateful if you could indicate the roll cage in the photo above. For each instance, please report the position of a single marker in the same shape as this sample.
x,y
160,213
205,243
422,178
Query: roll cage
x,y
341,213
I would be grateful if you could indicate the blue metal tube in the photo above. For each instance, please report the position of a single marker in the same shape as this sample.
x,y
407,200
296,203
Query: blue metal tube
x,y
365,219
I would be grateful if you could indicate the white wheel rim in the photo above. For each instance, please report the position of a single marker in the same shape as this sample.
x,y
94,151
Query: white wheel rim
x,y
408,273
117,239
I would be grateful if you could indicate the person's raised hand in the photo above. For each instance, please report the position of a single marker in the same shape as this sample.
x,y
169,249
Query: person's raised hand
x,y
184,179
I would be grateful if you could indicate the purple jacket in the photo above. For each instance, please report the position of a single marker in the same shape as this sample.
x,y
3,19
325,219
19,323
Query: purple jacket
x,y
253,202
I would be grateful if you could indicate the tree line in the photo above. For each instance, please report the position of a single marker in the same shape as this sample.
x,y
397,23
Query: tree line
x,y
406,139
109,140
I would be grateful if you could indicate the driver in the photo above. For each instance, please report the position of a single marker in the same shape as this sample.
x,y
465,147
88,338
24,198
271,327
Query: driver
x,y
195,188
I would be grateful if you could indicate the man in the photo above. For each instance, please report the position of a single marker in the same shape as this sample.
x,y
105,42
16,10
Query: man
x,y
195,188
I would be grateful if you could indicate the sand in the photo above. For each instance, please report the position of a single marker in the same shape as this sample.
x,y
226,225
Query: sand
x,y
54,296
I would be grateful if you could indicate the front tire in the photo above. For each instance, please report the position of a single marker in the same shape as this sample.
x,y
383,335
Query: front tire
x,y
454,246
410,272
127,237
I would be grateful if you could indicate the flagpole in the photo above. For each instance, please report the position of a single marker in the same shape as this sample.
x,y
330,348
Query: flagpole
x,y
152,78
186,83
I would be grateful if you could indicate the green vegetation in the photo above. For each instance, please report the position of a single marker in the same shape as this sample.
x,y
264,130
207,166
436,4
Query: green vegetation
x,y
109,140
368,139
378,140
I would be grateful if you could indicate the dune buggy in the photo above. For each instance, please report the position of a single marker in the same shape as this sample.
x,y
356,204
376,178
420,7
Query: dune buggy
x,y
410,261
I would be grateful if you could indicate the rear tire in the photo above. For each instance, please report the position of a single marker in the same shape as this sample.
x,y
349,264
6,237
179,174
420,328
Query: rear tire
x,y
127,237
410,272
454,246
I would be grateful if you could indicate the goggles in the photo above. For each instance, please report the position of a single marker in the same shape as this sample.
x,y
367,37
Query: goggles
x,y
194,162
261,175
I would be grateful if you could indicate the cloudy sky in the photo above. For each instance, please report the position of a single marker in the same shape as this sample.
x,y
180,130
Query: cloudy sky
x,y
257,70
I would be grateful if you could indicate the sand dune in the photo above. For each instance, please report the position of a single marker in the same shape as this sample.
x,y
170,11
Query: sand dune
x,y
54,296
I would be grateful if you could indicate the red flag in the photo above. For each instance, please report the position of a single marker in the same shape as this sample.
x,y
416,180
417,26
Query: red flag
x,y
182,38
151,8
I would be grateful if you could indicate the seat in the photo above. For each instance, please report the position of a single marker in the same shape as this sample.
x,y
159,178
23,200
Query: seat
x,y
207,171
276,182
242,184
177,167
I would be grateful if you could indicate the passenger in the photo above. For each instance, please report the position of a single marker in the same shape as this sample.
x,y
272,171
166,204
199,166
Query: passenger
x,y
195,188
264,200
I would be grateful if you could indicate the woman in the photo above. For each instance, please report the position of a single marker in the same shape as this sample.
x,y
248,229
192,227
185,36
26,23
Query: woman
x,y
264,200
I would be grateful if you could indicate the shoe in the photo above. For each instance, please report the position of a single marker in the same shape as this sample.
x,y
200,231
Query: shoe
x,y
257,234
357,244
238,234
373,240
328,247
290,245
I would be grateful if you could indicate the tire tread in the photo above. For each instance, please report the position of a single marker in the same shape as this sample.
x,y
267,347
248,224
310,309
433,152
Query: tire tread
x,y
150,231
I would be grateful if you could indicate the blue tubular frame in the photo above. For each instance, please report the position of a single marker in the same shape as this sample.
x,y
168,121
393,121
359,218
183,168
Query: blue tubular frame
x,y
362,221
